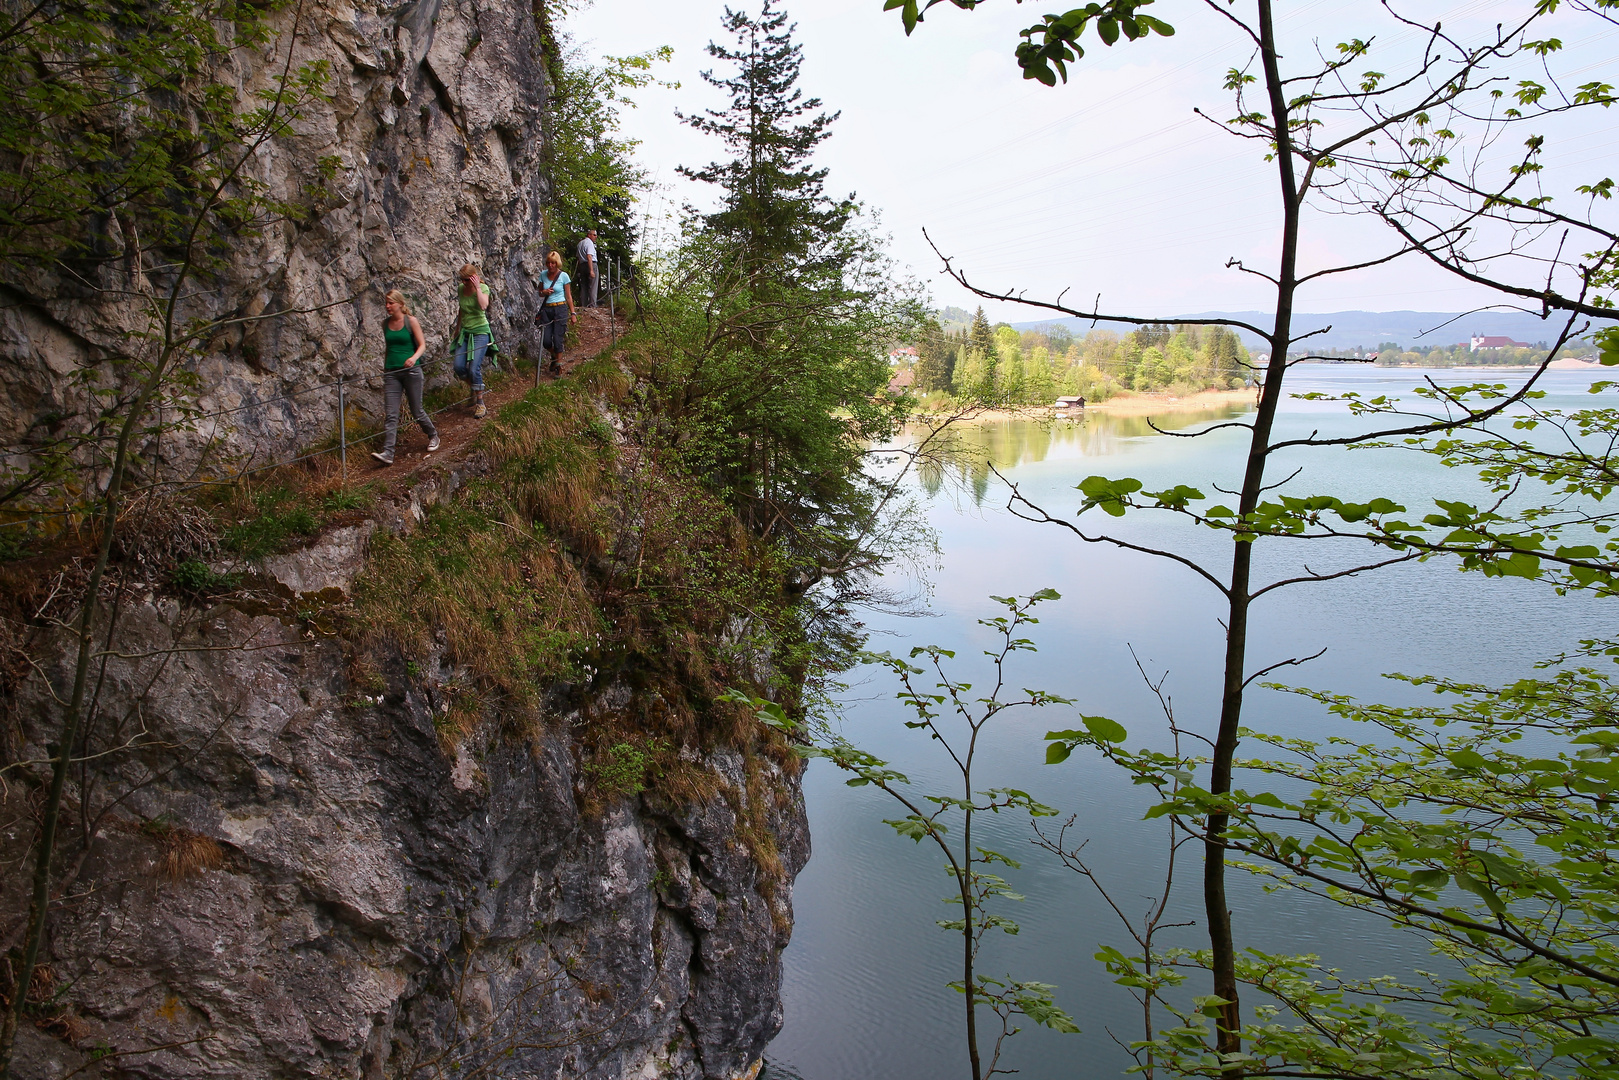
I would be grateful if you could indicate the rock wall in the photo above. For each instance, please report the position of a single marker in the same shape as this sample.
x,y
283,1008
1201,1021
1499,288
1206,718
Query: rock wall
x,y
302,878
434,128
291,871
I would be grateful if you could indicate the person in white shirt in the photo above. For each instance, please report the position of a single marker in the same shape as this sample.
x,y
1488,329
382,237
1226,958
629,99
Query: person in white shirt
x,y
587,270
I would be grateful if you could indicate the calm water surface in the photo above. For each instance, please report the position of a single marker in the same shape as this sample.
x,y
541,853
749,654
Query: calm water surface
x,y
866,971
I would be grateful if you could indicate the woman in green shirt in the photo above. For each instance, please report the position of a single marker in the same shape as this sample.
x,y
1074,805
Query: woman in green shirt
x,y
472,333
403,346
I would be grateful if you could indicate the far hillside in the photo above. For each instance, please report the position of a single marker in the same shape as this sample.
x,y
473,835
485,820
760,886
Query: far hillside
x,y
1364,331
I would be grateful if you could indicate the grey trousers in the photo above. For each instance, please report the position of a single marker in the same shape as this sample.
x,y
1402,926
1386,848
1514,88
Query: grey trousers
x,y
555,335
587,286
406,381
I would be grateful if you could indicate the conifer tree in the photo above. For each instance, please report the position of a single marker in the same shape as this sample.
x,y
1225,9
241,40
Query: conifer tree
x,y
1227,354
782,308
932,373
775,205
1153,335
981,338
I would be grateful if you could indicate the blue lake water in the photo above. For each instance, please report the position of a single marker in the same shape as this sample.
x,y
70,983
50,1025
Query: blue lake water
x,y
866,973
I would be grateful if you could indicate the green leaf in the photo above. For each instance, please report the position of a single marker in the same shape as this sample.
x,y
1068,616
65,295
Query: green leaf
x,y
913,827
1428,879
1482,891
1105,729
1111,495
1588,1044
1035,1000
1608,344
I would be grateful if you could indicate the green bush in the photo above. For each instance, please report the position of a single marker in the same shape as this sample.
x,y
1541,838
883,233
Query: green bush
x,y
14,540
267,533
197,578
624,769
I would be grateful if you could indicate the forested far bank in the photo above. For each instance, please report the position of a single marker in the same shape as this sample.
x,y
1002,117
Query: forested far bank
x,y
1465,354
1002,365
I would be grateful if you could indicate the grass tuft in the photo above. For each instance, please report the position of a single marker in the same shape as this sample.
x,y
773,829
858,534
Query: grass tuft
x,y
587,556
275,514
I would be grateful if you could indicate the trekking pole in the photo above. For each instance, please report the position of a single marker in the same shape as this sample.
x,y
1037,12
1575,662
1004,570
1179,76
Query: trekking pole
x,y
342,427
612,313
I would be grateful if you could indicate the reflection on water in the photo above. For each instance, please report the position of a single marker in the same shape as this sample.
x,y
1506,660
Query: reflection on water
x,y
865,976
970,449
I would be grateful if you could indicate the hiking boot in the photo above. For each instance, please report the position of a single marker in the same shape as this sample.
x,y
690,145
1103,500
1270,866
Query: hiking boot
x,y
386,457
432,444
480,410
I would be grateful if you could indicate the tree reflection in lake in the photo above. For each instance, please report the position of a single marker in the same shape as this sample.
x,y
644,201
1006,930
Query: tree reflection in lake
x,y
1008,441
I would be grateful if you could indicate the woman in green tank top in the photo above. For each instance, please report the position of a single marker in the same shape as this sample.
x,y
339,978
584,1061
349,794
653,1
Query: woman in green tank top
x,y
403,346
472,333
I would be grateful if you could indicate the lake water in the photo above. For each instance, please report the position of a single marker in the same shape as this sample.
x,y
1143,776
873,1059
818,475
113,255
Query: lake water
x,y
865,978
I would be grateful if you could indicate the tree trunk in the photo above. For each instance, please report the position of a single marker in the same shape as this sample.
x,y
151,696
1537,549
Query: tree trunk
x,y
1217,909
39,905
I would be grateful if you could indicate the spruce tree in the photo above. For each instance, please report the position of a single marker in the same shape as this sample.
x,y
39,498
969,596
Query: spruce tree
x,y
775,207
777,392
1153,336
932,373
1224,349
981,338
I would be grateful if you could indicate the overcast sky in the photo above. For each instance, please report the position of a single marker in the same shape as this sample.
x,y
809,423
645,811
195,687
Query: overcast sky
x,y
1110,184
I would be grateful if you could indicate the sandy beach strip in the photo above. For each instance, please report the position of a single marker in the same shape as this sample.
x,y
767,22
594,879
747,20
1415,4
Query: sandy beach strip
x,y
1126,404
1142,404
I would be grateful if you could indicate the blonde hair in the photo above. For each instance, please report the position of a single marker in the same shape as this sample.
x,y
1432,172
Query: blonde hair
x,y
397,297
468,268
557,255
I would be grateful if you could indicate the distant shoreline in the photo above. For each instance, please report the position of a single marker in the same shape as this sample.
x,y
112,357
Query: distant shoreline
x,y
1141,404
1129,404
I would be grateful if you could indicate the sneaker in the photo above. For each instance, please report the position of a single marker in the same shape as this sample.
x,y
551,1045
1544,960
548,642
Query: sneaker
x,y
432,444
481,411
386,459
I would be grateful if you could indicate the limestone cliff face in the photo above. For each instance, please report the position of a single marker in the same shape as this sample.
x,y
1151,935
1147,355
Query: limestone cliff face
x,y
433,132
291,871
301,880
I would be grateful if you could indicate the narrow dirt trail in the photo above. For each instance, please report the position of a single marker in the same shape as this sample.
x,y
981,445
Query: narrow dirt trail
x,y
458,428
